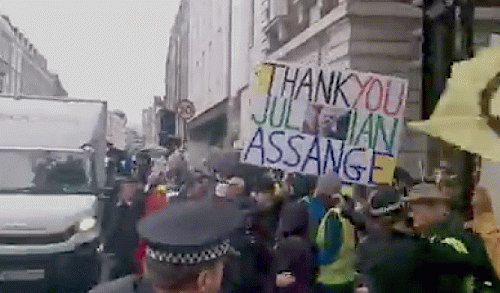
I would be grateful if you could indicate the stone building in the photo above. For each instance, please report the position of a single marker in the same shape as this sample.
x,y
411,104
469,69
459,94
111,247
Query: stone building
x,y
225,45
23,70
371,36
116,129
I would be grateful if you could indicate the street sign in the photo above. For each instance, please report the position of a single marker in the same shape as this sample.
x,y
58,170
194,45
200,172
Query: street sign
x,y
185,109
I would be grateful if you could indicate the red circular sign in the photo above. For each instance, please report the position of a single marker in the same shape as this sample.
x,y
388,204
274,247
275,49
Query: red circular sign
x,y
185,109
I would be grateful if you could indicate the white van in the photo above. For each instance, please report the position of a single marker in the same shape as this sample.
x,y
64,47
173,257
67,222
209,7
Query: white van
x,y
51,177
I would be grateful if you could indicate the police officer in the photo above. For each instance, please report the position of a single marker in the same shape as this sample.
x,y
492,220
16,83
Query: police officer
x,y
433,219
187,247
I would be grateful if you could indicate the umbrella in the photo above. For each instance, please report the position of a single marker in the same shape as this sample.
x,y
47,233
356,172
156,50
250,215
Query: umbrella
x,y
468,111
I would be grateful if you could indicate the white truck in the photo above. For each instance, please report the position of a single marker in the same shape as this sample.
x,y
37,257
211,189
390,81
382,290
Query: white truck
x,y
52,175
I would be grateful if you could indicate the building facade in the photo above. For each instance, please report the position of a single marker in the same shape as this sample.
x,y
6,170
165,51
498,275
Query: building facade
x,y
379,36
208,63
116,129
148,127
23,70
177,65
134,141
159,126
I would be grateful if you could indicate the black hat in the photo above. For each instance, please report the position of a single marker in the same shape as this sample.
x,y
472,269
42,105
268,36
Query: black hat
x,y
264,183
189,233
386,202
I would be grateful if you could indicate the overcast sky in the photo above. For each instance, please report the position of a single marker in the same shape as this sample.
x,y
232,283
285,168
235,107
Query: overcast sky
x,y
101,49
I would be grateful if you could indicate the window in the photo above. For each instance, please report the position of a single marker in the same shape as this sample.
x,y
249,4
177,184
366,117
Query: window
x,y
300,13
2,82
252,24
495,40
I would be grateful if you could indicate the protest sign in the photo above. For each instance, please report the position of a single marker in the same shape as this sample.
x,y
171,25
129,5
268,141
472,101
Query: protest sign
x,y
311,119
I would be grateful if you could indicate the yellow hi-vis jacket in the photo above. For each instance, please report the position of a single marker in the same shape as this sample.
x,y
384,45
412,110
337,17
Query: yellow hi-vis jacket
x,y
341,271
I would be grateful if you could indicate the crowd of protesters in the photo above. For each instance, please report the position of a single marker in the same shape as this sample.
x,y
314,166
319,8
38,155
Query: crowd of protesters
x,y
302,233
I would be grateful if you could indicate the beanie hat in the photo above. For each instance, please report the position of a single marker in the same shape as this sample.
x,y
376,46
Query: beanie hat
x,y
328,184
403,176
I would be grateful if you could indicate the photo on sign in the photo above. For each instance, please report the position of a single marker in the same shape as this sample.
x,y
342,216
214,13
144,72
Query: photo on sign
x,y
326,121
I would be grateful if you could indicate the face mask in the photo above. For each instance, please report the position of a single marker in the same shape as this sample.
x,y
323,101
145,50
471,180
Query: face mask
x,y
221,189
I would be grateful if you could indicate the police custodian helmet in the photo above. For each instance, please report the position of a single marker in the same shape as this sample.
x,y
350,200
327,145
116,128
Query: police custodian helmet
x,y
189,233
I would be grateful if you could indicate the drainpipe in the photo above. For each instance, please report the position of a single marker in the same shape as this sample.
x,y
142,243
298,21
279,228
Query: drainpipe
x,y
231,103
438,40
448,37
438,21
464,50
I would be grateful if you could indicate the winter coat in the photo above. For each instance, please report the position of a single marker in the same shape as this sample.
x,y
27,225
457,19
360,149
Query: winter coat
x,y
295,255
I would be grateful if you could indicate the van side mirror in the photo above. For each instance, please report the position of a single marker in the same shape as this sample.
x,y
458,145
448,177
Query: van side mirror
x,y
107,190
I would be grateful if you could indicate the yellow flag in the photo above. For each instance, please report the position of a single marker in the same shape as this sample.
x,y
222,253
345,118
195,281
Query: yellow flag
x,y
263,78
458,118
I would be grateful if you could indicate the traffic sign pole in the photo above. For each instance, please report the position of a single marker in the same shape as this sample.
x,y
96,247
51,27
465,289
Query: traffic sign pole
x,y
186,111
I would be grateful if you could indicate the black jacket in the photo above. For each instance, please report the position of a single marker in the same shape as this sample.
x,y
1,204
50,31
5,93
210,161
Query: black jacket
x,y
296,255
121,236
451,237
395,262
392,263
242,273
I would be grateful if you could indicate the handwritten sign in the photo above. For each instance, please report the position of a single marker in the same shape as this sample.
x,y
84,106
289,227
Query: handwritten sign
x,y
311,120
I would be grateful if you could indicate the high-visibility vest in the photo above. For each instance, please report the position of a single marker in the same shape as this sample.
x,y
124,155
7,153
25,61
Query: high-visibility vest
x,y
341,271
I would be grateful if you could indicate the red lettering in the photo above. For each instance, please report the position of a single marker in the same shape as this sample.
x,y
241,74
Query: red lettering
x,y
379,96
363,87
399,101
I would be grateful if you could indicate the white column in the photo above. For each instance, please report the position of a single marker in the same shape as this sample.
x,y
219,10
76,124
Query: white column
x,y
495,40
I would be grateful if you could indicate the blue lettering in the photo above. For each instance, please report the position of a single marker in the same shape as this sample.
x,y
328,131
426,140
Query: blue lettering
x,y
273,144
330,155
259,137
294,149
357,169
314,148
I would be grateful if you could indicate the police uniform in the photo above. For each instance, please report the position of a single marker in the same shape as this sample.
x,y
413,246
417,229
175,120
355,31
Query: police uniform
x,y
459,258
185,234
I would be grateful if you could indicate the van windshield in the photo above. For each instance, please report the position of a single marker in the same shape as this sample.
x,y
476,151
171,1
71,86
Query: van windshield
x,y
44,172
